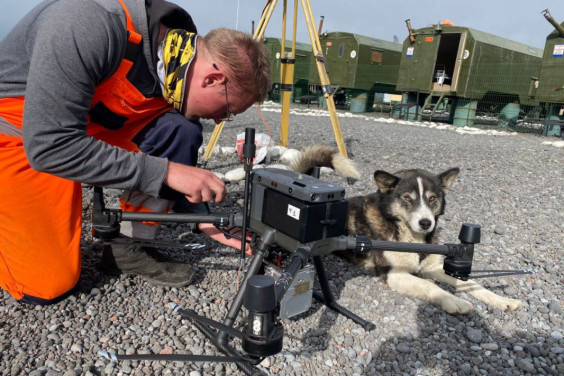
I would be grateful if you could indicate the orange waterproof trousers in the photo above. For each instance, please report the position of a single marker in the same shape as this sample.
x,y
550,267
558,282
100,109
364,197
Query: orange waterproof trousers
x,y
36,261
41,214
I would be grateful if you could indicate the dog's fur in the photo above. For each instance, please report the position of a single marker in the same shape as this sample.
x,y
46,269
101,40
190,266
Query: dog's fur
x,y
405,208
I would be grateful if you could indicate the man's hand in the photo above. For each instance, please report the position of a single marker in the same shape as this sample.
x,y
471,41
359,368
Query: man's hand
x,y
211,231
197,184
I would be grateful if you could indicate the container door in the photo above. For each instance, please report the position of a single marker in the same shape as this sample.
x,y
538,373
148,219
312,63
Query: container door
x,y
446,61
417,64
338,61
458,64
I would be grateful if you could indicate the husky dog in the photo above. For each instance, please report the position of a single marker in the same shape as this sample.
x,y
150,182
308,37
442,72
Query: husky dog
x,y
405,208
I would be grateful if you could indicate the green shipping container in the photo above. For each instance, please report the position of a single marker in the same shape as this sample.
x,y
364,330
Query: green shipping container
x,y
467,63
550,85
358,62
549,89
302,64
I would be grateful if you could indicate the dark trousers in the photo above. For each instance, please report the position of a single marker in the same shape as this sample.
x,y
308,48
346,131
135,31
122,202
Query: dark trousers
x,y
178,139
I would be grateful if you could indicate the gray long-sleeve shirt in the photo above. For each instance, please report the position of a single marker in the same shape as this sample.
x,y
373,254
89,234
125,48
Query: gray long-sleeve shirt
x,y
55,57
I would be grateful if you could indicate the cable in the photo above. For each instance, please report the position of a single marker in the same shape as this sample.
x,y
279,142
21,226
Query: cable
x,y
265,123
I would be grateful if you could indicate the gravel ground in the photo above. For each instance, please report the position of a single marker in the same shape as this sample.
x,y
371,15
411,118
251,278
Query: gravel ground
x,y
510,184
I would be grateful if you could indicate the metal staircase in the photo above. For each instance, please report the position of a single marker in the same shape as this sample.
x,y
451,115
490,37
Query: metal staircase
x,y
431,105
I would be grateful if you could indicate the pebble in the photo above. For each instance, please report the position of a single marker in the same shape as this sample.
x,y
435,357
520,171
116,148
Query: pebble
x,y
474,335
556,335
490,346
403,348
266,362
525,365
500,230
556,307
236,174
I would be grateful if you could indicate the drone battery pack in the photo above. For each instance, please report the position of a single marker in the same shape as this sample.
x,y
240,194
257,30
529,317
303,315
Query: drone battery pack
x,y
303,221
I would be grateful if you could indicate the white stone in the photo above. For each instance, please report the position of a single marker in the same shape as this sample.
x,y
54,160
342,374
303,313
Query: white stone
x,y
227,150
237,174
266,362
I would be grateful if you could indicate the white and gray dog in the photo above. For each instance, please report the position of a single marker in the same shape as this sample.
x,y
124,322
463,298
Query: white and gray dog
x,y
404,208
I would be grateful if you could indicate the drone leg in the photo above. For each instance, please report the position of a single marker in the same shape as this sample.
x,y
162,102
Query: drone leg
x,y
327,297
211,334
255,266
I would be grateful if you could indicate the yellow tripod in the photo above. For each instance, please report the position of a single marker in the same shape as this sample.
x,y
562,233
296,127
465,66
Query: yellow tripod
x,y
287,74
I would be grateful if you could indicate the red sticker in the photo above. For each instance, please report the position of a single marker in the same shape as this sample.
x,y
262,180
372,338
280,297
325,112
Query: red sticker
x,y
329,43
428,39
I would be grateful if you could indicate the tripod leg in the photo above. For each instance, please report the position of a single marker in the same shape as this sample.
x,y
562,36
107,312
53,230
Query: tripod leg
x,y
323,76
327,298
213,141
287,63
259,34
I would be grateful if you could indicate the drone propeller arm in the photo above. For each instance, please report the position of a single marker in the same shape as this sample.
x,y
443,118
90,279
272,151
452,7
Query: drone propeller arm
x,y
365,244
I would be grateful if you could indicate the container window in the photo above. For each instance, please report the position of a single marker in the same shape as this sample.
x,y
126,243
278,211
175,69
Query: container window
x,y
341,49
376,56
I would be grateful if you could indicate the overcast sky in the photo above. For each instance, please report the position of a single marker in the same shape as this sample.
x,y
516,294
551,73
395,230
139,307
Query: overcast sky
x,y
518,20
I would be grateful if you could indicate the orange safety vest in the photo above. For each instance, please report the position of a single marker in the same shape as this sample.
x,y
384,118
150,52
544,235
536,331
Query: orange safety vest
x,y
130,111
41,220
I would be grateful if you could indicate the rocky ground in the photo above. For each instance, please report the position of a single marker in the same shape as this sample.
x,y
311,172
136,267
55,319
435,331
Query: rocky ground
x,y
510,184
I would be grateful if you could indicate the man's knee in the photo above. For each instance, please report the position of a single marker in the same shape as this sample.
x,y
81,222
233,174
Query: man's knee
x,y
33,300
171,136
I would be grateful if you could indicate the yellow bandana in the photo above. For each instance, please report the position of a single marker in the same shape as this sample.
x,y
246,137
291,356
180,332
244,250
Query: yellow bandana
x,y
179,47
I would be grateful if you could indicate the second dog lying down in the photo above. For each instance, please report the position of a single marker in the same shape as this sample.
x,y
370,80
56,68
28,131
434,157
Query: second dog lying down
x,y
405,208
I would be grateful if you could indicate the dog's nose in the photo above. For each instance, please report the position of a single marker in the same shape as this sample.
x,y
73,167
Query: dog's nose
x,y
425,224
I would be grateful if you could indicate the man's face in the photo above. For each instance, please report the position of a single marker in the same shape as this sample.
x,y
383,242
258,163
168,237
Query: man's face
x,y
226,106
213,97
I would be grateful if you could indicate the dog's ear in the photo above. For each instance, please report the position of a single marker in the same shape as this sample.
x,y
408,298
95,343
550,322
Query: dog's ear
x,y
385,180
447,177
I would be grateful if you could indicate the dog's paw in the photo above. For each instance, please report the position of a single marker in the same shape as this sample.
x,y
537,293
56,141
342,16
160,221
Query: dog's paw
x,y
508,305
456,306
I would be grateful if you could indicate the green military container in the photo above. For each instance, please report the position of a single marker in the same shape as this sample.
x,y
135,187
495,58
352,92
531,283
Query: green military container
x,y
550,86
447,61
302,66
359,66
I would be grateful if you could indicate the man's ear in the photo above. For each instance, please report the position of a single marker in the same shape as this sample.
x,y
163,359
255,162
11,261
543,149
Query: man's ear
x,y
213,78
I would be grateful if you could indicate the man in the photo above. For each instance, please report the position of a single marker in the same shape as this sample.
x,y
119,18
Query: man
x,y
109,93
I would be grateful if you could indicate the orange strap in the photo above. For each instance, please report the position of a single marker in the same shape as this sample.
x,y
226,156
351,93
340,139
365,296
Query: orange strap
x,y
11,109
133,37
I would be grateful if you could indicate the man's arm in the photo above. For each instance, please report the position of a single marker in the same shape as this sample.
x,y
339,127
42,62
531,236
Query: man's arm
x,y
77,45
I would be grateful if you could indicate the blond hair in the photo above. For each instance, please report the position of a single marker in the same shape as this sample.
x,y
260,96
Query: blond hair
x,y
245,61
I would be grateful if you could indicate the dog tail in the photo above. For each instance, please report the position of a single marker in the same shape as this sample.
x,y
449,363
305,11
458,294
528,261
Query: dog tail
x,y
324,156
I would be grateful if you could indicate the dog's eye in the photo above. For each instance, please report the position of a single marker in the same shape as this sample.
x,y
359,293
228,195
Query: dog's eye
x,y
407,198
432,199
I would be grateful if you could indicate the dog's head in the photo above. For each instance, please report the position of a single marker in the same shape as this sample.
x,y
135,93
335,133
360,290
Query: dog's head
x,y
415,197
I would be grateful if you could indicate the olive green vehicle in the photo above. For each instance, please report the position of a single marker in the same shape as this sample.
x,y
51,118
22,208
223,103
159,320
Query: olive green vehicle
x,y
466,68
302,66
358,67
550,86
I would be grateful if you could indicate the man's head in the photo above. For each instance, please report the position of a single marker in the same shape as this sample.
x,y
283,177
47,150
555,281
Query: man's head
x,y
230,72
